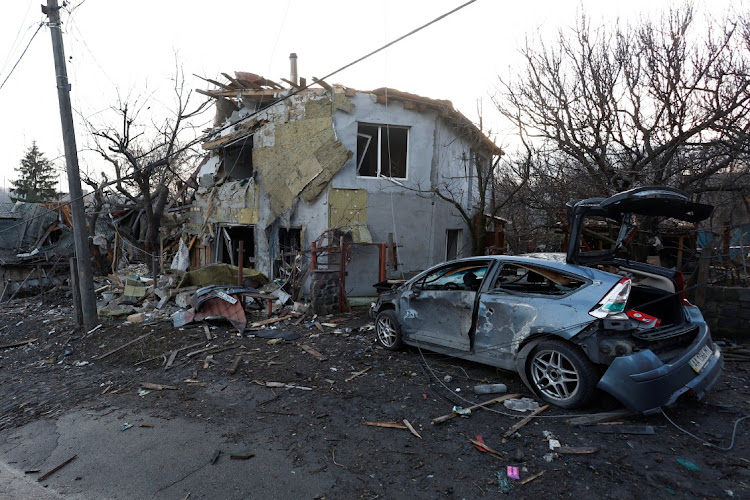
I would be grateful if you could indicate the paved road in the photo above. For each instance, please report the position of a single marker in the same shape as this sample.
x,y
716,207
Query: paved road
x,y
166,461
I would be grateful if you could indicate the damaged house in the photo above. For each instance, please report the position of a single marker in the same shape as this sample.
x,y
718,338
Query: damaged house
x,y
347,174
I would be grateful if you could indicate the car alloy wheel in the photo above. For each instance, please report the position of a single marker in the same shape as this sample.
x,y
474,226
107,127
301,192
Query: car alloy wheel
x,y
561,374
388,330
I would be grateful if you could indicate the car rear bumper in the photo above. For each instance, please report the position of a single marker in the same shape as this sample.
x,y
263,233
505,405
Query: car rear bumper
x,y
643,383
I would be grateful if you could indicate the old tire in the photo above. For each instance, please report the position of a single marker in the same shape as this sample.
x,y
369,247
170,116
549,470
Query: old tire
x,y
561,374
387,330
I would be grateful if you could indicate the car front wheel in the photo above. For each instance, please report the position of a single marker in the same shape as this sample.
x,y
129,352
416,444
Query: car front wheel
x,y
388,330
561,374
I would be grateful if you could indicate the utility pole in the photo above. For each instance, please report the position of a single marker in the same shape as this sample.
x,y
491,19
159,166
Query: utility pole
x,y
85,274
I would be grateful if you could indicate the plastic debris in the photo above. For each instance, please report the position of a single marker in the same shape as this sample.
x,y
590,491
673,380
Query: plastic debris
x,y
490,389
143,392
461,411
521,404
513,472
688,465
502,480
125,426
448,379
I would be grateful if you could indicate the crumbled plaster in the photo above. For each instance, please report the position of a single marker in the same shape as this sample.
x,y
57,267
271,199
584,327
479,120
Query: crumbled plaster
x,y
232,202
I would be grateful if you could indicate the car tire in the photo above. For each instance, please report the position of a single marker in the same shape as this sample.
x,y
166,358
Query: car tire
x,y
387,330
561,374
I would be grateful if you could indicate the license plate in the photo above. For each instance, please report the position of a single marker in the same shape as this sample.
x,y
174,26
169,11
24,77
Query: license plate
x,y
700,359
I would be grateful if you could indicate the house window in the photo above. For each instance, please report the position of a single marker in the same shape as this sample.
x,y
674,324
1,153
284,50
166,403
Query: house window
x,y
382,150
228,245
290,245
238,158
453,243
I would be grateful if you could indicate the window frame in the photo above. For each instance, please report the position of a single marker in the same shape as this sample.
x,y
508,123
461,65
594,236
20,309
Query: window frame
x,y
545,271
379,173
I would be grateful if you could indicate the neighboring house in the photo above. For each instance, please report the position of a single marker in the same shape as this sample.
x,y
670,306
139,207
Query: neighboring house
x,y
281,174
33,239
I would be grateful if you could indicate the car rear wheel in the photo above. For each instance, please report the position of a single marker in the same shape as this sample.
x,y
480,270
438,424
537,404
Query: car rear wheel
x,y
561,374
388,330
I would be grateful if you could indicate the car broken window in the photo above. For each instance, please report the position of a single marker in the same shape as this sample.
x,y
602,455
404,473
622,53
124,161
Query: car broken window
x,y
461,276
517,278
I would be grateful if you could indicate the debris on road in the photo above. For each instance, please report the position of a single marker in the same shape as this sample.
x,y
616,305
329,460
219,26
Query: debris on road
x,y
525,421
440,420
411,429
391,425
48,474
357,374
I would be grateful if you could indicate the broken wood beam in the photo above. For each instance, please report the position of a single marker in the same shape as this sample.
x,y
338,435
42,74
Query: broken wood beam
x,y
322,83
268,321
233,367
440,420
524,421
577,450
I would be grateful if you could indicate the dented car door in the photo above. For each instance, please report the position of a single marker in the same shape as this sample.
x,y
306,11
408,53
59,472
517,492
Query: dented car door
x,y
438,309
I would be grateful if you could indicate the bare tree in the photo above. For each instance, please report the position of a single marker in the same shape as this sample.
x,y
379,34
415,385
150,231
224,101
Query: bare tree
x,y
651,103
148,159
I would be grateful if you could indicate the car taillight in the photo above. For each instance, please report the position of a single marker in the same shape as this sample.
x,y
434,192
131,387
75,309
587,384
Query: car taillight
x,y
680,280
615,300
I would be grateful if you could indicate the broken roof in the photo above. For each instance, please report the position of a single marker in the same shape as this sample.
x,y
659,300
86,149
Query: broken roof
x,y
254,87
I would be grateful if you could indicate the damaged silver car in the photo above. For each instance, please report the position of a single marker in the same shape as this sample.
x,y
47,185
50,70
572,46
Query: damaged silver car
x,y
594,319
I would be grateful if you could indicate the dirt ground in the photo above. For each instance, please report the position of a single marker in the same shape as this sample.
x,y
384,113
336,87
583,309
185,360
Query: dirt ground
x,y
319,417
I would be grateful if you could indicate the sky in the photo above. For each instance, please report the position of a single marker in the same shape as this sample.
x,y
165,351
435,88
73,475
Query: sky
x,y
129,49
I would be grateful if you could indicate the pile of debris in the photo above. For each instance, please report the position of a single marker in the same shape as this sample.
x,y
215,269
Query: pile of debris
x,y
216,291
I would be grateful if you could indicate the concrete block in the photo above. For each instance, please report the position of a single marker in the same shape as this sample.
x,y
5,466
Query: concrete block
x,y
136,318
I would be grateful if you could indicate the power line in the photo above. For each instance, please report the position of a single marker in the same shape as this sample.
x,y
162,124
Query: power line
x,y
22,54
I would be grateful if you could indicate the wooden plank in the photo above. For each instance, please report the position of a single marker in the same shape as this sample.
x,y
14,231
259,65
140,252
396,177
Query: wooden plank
x,y
486,448
17,344
171,360
440,420
291,83
531,478
268,321
322,83
313,352
158,387
358,374
524,421
214,82
390,425
233,80
600,417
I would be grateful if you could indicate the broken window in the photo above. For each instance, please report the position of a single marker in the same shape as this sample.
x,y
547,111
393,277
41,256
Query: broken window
x,y
382,150
459,276
228,245
537,280
290,244
453,243
238,158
